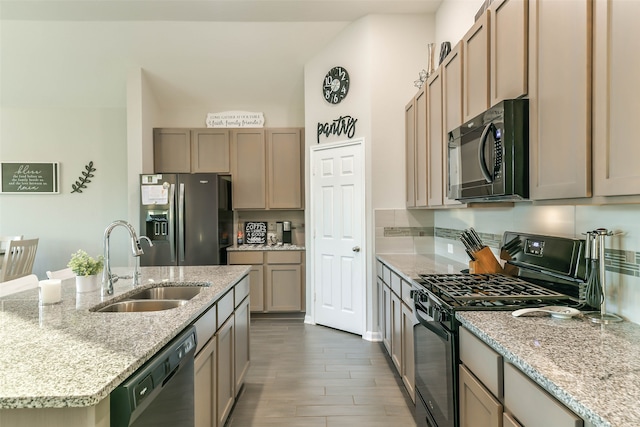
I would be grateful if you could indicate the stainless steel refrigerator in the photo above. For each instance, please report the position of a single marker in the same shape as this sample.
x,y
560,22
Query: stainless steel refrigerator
x,y
188,218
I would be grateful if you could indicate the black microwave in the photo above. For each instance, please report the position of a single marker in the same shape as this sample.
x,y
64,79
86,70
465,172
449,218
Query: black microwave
x,y
488,156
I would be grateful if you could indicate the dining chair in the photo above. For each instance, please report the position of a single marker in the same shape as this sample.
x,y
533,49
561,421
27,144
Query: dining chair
x,y
4,241
18,285
63,274
18,259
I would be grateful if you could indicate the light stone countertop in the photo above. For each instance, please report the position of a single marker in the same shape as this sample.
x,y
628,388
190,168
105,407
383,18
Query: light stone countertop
x,y
63,355
592,369
286,247
410,266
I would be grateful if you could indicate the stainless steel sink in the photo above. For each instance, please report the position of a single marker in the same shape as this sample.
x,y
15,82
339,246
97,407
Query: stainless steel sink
x,y
134,306
167,293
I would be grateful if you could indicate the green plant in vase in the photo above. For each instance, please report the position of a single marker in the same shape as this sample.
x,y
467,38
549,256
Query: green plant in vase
x,y
84,265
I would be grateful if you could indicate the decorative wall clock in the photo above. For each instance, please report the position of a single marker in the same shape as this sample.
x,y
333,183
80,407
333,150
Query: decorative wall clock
x,y
335,85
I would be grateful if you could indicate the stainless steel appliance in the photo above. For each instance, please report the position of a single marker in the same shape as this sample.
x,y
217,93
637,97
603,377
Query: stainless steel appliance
x,y
188,218
551,272
286,232
488,156
161,392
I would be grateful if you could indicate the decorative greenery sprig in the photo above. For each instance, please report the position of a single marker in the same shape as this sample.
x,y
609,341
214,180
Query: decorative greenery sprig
x,y
83,265
84,179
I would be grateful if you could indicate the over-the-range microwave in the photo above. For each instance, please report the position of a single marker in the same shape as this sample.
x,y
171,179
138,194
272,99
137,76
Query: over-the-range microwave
x,y
488,156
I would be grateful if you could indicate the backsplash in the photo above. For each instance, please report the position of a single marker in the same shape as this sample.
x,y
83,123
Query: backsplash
x,y
271,217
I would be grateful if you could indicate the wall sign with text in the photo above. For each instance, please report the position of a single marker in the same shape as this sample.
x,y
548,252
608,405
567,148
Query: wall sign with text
x,y
342,125
30,178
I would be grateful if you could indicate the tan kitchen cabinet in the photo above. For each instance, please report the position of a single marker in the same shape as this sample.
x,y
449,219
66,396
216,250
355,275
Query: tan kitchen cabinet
x,y
560,99
205,385
435,176
416,149
277,279
387,318
616,106
241,318
256,276
225,374
249,169
408,373
478,407
509,49
396,331
508,421
475,46
410,152
285,156
191,150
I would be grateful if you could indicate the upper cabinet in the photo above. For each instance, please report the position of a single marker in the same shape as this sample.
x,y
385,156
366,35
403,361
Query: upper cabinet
x,y
509,50
435,177
191,150
410,152
475,47
560,98
616,105
285,156
416,150
452,92
267,168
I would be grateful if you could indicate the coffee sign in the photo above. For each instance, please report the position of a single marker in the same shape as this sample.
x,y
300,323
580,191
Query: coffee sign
x,y
30,178
255,233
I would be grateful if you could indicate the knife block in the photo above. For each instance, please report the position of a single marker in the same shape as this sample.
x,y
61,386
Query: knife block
x,y
485,263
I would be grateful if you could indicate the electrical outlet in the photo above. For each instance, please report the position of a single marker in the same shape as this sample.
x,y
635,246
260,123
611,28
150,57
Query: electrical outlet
x,y
450,248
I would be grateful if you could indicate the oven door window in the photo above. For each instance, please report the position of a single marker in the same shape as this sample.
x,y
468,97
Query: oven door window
x,y
435,378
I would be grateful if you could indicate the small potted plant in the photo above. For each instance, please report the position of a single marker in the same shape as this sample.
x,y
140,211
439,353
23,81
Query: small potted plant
x,y
86,270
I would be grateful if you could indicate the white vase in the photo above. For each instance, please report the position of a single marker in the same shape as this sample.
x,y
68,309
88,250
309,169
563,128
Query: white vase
x,y
87,283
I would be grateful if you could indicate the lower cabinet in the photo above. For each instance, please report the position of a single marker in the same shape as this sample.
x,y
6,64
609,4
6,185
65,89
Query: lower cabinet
x,y
225,370
386,320
408,359
396,331
495,393
241,319
205,385
277,279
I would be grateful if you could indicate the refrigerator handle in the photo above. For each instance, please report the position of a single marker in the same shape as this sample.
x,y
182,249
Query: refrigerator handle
x,y
172,221
181,224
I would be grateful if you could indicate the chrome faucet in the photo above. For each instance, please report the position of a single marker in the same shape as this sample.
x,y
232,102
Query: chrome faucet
x,y
109,279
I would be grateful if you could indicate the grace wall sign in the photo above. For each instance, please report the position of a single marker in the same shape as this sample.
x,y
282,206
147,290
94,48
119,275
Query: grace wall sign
x,y
342,125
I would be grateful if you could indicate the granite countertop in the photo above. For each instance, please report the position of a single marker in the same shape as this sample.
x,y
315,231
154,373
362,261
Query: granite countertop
x,y
285,247
63,355
592,369
410,266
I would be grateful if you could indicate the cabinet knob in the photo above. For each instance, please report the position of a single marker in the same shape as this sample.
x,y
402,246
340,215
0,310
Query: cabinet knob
x,y
356,249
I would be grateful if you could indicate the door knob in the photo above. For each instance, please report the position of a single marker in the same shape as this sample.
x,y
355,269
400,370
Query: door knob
x,y
356,249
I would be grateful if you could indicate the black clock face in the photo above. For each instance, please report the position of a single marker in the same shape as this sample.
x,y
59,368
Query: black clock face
x,y
335,85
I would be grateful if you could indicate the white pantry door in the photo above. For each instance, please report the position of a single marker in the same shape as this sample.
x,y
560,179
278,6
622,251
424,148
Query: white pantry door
x,y
337,207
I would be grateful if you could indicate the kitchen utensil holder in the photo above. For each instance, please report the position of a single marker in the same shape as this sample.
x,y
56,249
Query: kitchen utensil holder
x,y
602,316
485,262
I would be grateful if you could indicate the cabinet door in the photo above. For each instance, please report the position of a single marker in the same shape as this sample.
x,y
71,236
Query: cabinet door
x,y
225,370
478,407
248,154
410,152
421,175
475,45
408,358
210,150
509,49
284,287
396,331
241,341
256,280
171,151
205,385
508,421
386,307
559,99
285,169
435,177
616,106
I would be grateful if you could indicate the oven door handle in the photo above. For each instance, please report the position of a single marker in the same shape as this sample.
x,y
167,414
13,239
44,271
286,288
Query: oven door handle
x,y
429,325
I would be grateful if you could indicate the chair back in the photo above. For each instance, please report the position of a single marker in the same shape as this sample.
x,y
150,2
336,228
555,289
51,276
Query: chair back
x,y
18,285
63,274
18,259
4,241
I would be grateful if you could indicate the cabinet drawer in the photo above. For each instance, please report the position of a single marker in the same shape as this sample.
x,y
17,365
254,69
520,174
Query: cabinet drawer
x,y
386,275
225,307
241,290
253,257
284,257
485,363
406,293
379,269
396,284
205,327
531,405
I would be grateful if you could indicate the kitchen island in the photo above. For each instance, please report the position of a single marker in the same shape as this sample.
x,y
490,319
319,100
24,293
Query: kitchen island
x,y
67,356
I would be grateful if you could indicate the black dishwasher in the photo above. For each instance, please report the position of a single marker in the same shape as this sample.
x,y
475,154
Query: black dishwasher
x,y
161,392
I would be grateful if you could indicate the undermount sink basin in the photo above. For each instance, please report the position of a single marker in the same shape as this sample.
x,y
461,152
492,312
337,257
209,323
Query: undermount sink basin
x,y
167,293
134,306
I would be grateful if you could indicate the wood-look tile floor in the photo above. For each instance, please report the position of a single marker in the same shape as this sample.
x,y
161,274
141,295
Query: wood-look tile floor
x,y
313,376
